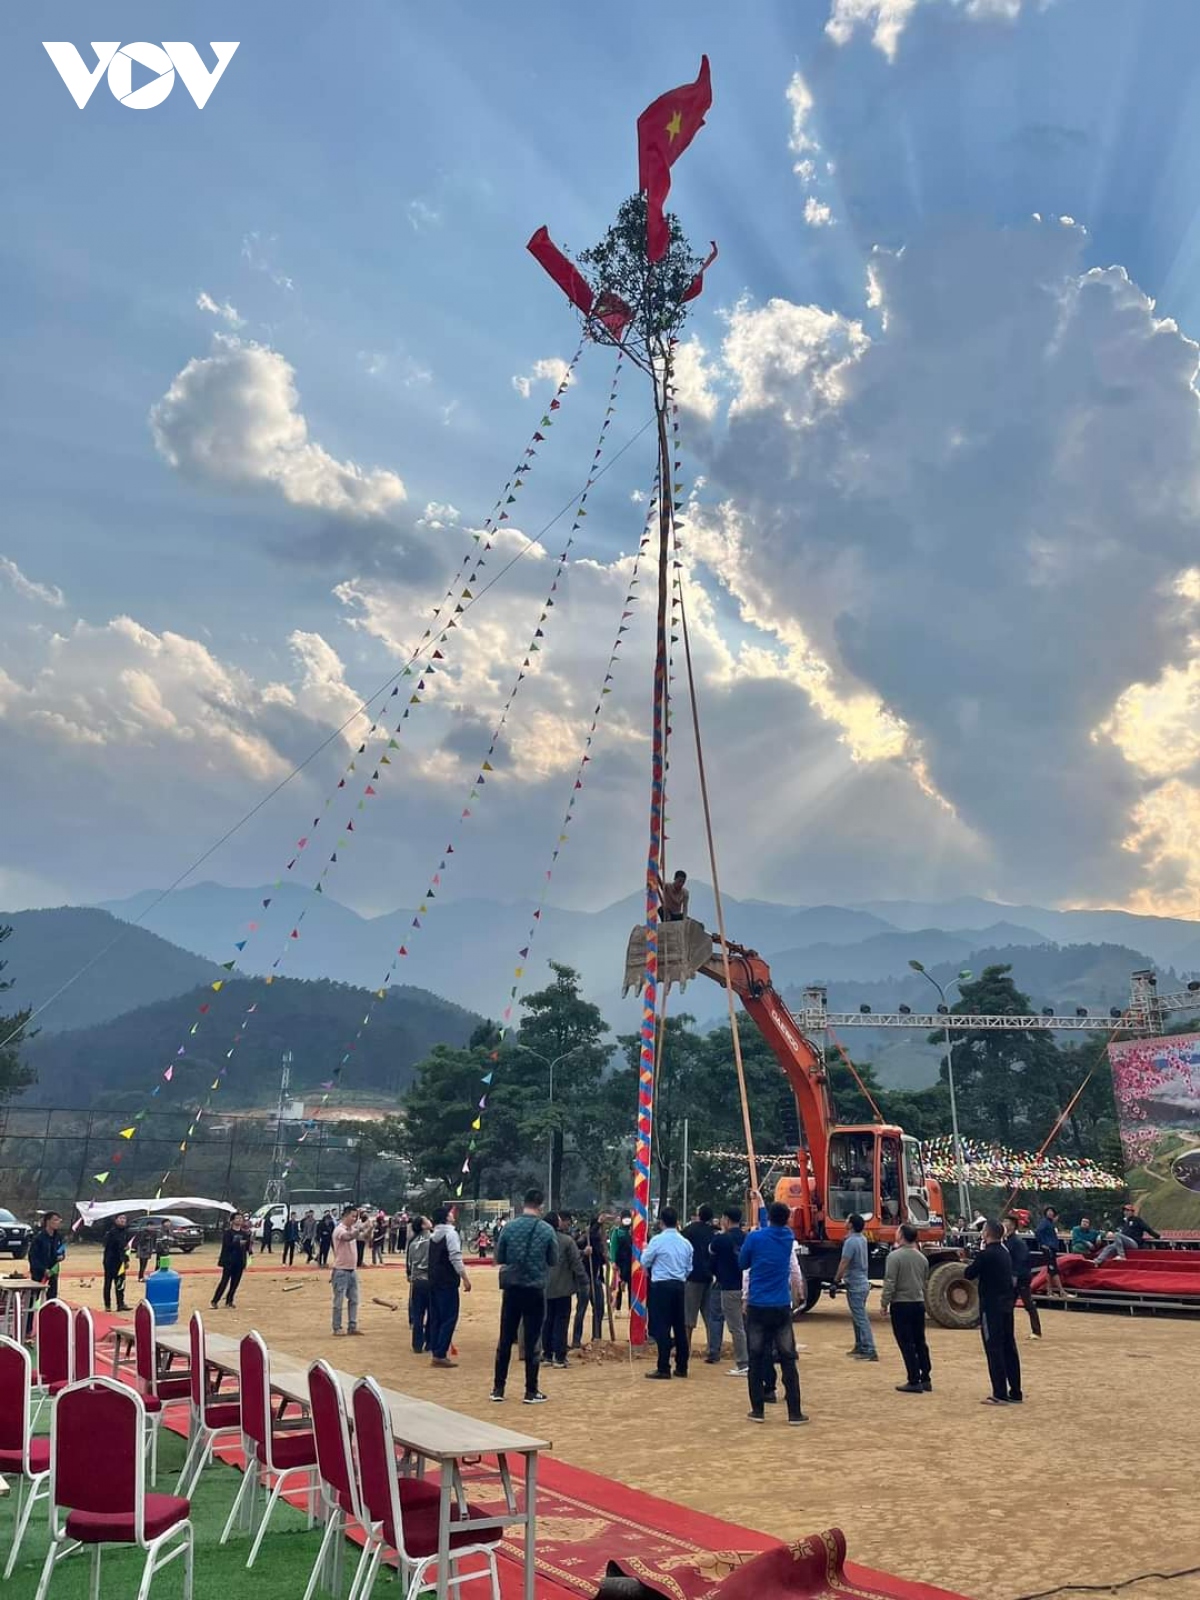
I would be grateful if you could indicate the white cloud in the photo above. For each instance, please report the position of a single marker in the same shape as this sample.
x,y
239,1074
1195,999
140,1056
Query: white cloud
x,y
223,309
886,20
549,370
695,380
233,418
46,594
122,687
974,524
258,253
422,216
803,141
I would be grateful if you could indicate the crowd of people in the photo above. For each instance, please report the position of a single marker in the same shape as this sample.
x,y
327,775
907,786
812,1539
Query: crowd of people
x,y
556,1273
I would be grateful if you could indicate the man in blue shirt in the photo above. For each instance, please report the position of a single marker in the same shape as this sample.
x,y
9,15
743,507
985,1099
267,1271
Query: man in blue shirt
x,y
767,1256
852,1271
668,1260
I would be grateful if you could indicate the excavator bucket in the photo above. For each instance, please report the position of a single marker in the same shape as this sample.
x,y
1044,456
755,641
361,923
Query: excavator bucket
x,y
683,948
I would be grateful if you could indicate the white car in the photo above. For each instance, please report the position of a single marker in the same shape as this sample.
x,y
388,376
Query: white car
x,y
277,1212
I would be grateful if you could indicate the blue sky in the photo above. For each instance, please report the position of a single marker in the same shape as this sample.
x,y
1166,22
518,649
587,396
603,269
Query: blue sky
x,y
354,202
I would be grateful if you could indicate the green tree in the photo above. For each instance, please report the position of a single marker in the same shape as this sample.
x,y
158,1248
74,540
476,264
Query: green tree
x,y
561,1034
433,1132
14,1074
654,292
1009,1084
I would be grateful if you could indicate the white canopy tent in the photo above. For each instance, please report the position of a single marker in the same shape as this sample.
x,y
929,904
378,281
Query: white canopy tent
x,y
98,1210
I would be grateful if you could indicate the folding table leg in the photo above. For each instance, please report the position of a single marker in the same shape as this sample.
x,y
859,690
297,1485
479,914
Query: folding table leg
x,y
443,1544
530,1522
95,1583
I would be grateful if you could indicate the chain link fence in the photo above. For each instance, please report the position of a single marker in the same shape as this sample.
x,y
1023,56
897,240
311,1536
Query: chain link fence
x,y
50,1156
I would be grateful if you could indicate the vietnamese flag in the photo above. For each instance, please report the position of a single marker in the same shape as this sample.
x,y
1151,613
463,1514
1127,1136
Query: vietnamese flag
x,y
665,129
697,284
564,272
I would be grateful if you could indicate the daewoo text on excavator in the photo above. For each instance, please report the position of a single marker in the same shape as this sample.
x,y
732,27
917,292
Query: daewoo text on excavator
x,y
874,1169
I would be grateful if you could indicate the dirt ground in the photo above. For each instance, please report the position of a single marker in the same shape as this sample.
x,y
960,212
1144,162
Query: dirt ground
x,y
1092,1481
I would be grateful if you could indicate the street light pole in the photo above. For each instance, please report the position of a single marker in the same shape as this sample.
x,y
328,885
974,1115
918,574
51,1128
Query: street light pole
x,y
550,1151
551,1066
964,1189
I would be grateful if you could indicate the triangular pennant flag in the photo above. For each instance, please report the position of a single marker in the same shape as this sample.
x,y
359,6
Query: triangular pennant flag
x,y
218,986
169,1074
228,965
100,1177
476,1125
128,1133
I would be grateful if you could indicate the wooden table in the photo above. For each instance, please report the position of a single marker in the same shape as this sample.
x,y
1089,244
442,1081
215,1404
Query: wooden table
x,y
12,1314
426,1432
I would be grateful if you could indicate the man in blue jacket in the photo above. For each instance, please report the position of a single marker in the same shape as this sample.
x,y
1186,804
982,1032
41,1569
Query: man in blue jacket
x,y
767,1256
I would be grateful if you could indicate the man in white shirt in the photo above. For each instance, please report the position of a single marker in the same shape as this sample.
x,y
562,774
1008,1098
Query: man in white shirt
x,y
668,1260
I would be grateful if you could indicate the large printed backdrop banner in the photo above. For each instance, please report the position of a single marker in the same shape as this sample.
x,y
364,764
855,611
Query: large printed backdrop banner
x,y
1157,1083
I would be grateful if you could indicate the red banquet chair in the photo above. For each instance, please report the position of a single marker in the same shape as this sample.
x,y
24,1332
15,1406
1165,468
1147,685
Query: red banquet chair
x,y
21,1455
55,1352
98,1479
213,1415
157,1390
281,1451
403,1512
339,1480
83,1344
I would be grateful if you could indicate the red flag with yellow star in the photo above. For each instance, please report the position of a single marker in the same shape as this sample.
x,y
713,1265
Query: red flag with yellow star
x,y
564,271
665,129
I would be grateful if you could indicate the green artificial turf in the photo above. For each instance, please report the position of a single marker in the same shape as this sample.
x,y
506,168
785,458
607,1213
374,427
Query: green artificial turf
x,y
280,1573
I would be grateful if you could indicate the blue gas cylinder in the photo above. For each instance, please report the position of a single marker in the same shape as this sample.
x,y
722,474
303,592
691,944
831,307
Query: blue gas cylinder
x,y
162,1293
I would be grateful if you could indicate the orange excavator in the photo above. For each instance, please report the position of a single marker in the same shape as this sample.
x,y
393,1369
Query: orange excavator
x,y
874,1169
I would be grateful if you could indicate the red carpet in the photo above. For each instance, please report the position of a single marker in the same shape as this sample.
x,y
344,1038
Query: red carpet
x,y
1175,1275
586,1521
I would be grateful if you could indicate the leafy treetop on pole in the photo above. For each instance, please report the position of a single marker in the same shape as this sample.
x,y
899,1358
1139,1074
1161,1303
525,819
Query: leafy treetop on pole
x,y
619,270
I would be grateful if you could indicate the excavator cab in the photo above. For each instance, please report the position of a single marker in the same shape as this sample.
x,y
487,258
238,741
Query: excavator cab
x,y
877,1171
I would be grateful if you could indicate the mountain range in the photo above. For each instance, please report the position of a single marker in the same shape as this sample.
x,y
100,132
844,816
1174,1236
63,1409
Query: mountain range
x,y
466,952
466,949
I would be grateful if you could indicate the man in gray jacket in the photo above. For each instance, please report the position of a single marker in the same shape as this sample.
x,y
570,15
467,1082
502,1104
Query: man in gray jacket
x,y
904,1280
567,1277
525,1252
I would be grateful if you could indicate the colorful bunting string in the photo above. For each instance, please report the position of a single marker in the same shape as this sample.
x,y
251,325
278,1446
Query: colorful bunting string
x,y
435,638
994,1166
507,1024
487,767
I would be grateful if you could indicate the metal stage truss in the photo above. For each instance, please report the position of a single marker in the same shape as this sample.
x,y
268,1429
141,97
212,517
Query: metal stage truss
x,y
1145,1015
